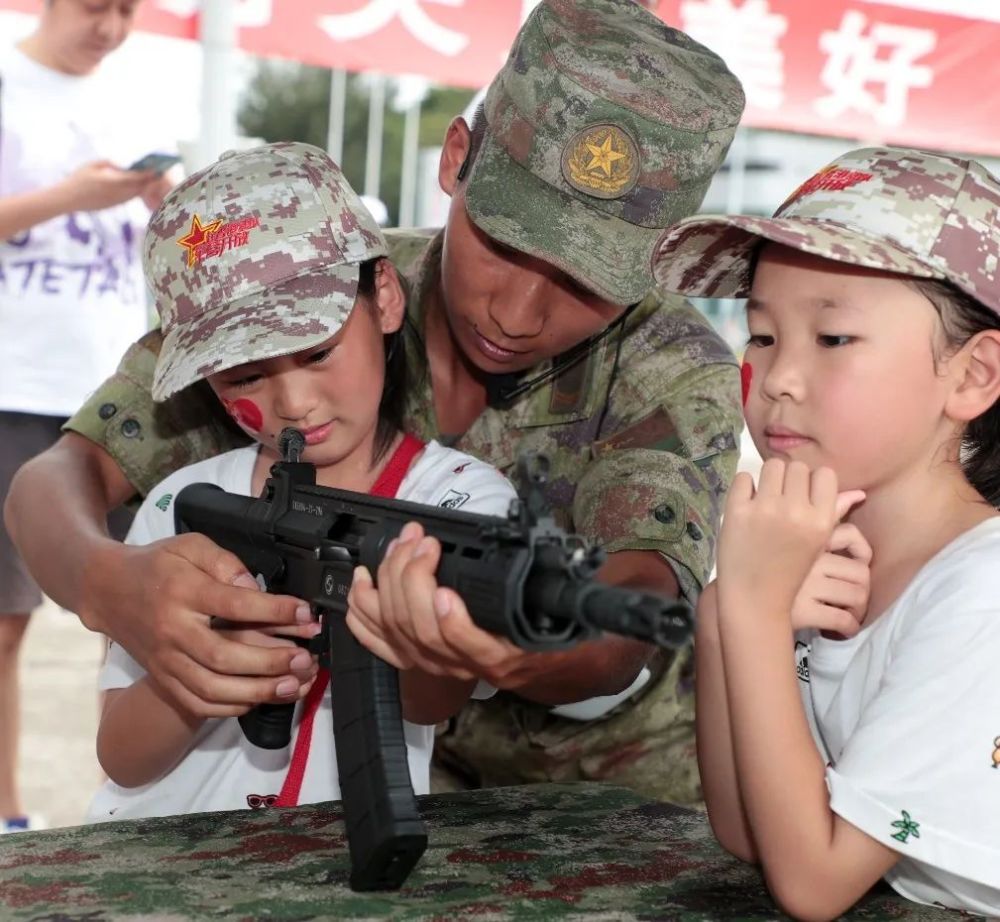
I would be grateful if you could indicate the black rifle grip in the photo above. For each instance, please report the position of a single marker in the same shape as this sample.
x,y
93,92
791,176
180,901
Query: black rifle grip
x,y
269,726
385,833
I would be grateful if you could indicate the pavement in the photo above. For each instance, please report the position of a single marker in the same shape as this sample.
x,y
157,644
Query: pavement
x,y
60,659
58,765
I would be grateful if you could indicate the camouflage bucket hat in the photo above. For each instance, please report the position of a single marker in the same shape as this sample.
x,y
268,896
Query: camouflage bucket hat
x,y
604,127
904,211
253,257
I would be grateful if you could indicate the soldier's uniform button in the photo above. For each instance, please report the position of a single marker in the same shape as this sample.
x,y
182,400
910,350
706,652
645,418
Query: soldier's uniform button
x,y
663,513
724,441
131,428
694,531
107,410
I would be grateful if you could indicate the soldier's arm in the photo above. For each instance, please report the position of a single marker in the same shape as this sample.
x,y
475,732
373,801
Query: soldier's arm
x,y
601,667
156,600
652,496
56,513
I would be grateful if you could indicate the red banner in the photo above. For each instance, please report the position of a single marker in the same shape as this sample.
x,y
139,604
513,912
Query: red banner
x,y
850,68
857,69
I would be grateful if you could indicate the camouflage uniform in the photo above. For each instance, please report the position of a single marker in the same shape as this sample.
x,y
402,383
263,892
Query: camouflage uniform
x,y
604,127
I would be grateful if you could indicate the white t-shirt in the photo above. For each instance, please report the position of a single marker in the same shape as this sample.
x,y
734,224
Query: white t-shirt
x,y
907,715
72,296
223,769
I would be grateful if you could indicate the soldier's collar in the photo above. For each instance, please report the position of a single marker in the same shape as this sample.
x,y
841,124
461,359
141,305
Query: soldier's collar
x,y
421,280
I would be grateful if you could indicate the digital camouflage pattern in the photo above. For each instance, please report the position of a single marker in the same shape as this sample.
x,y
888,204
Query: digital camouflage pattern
x,y
640,462
569,852
604,127
252,257
904,211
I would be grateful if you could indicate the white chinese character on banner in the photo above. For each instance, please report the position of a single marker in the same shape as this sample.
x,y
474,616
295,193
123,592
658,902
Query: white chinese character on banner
x,y
853,64
747,38
346,27
250,14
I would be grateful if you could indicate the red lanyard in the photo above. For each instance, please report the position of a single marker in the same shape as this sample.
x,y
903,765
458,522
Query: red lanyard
x,y
386,486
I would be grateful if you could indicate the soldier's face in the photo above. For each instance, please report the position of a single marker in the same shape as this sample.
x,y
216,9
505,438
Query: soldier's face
x,y
507,310
83,32
331,392
844,373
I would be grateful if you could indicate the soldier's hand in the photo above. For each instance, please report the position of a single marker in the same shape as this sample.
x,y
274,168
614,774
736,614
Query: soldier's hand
x,y
271,636
159,600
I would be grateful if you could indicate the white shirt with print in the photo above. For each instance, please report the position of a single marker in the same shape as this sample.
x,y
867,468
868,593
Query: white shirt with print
x,y
223,769
72,295
907,715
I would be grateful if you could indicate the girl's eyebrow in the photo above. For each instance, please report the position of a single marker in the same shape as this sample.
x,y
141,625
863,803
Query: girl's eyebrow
x,y
241,370
756,304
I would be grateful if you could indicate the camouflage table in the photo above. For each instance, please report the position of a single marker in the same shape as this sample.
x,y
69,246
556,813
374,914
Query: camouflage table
x,y
580,851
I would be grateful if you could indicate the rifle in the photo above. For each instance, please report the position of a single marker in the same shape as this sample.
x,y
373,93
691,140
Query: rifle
x,y
521,577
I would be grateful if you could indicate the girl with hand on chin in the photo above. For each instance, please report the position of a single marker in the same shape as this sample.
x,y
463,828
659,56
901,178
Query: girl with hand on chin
x,y
872,380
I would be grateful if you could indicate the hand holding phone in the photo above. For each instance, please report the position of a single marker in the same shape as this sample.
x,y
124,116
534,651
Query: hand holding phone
x,y
157,162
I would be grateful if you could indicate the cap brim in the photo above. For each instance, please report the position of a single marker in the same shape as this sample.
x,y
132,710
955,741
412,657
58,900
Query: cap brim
x,y
710,256
300,313
609,256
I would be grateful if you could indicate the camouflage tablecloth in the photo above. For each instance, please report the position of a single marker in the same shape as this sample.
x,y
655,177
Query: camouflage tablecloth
x,y
539,852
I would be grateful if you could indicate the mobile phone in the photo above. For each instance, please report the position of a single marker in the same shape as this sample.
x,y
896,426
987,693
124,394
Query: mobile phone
x,y
157,162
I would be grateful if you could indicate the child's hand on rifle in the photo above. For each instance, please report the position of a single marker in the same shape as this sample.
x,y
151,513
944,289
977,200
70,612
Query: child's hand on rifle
x,y
422,629
412,622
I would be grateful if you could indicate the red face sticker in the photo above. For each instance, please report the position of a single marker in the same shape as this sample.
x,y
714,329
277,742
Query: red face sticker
x,y
746,377
246,413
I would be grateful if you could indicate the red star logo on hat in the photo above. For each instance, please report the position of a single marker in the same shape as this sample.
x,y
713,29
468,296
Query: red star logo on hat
x,y
195,237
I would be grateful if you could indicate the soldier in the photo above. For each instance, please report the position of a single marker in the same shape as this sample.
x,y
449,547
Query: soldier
x,y
532,324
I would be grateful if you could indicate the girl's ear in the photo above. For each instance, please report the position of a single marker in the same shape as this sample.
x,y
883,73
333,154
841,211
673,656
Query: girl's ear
x,y
978,372
390,301
457,141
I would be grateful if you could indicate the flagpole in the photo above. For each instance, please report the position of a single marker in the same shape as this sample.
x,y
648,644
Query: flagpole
x,y
376,116
217,31
335,125
408,179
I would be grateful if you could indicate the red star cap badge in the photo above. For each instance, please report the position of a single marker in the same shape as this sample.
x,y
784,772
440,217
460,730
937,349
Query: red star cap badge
x,y
195,237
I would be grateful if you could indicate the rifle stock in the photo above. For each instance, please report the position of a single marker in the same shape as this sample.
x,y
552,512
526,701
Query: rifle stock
x,y
521,577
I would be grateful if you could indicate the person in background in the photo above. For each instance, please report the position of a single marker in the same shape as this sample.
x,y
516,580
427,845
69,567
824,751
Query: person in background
x,y
72,296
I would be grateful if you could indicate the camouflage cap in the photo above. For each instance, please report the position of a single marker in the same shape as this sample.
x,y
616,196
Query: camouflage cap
x,y
904,211
604,127
253,257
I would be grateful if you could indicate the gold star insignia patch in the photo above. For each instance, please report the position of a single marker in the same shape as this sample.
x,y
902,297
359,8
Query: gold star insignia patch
x,y
602,161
